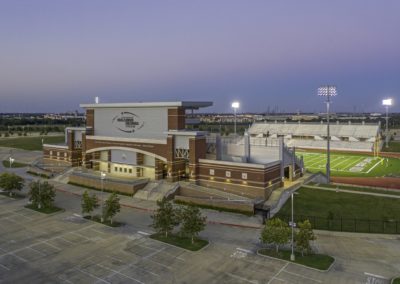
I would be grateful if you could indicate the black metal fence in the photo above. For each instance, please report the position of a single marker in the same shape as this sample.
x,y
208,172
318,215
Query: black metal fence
x,y
348,224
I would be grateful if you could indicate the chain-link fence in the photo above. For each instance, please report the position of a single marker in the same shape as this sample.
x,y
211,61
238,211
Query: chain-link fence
x,y
348,224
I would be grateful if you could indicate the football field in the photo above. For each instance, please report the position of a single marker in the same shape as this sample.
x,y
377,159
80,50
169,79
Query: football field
x,y
342,163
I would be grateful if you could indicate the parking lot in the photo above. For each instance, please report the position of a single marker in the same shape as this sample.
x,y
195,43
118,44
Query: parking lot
x,y
64,248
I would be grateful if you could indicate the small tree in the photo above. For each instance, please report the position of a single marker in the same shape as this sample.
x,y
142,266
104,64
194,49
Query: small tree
x,y
111,207
10,182
89,203
276,232
165,218
304,236
192,222
42,194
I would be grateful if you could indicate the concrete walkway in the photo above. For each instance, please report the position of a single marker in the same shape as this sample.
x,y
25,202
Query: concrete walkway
x,y
213,216
353,191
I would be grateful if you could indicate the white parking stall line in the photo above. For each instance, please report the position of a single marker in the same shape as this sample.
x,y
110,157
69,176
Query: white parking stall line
x,y
274,277
5,267
116,272
241,278
16,256
91,275
53,246
35,250
302,276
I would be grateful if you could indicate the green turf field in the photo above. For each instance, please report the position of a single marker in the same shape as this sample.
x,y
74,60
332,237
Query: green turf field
x,y
30,143
351,164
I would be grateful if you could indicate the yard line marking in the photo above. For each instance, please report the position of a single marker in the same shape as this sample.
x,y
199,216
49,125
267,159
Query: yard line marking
x,y
241,278
377,163
283,267
91,275
299,275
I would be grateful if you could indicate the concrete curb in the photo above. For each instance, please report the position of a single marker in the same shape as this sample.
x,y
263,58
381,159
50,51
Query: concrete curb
x,y
291,262
191,251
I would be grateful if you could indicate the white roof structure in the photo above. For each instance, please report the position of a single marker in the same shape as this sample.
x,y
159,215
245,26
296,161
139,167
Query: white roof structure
x,y
184,104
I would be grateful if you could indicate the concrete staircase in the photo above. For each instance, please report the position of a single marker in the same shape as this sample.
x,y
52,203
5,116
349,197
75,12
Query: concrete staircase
x,y
155,190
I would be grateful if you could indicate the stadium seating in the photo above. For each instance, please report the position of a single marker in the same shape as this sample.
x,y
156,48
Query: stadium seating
x,y
346,137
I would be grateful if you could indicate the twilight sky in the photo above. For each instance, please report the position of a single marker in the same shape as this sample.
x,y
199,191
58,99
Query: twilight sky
x,y
55,54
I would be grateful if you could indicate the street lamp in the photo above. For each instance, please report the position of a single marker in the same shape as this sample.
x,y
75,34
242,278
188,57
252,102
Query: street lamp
x,y
235,106
102,177
292,256
387,103
11,162
328,92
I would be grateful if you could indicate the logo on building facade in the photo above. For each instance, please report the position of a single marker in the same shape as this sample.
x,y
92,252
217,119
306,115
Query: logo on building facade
x,y
127,122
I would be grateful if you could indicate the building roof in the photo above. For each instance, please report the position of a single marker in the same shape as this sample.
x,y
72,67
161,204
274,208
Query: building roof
x,y
184,104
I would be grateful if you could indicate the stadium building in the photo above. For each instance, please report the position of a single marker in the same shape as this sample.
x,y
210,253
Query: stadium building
x,y
149,142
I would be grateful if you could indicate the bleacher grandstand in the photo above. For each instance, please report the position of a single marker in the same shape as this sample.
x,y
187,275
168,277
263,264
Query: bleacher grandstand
x,y
344,137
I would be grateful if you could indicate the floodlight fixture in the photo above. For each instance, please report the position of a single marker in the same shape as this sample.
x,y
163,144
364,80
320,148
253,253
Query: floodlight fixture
x,y
235,106
387,102
327,91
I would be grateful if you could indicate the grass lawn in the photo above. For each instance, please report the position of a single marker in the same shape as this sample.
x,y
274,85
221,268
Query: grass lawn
x,y
30,143
6,163
15,195
318,261
370,211
396,281
356,165
47,210
108,223
357,188
181,242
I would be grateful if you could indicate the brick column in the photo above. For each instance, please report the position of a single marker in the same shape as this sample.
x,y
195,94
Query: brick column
x,y
139,161
197,150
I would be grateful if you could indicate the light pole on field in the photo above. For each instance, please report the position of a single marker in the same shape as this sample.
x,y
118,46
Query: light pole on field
x,y
327,91
235,106
102,177
387,103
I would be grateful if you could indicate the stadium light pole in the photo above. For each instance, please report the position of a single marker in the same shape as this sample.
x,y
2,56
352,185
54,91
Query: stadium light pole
x,y
387,103
235,106
102,177
327,91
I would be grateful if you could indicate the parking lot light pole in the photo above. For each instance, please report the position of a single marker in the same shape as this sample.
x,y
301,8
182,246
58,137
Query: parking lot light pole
x,y
328,92
11,162
102,177
292,257
387,103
